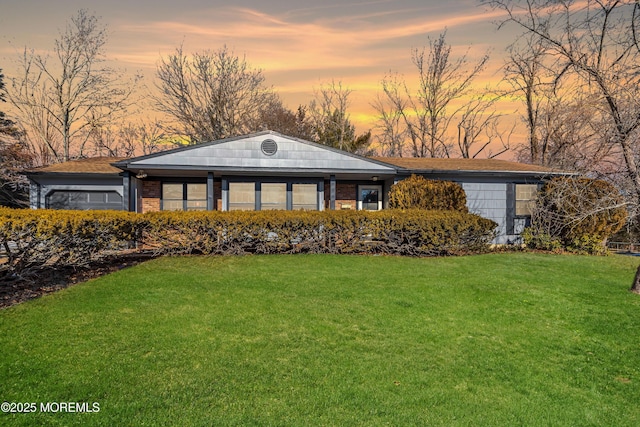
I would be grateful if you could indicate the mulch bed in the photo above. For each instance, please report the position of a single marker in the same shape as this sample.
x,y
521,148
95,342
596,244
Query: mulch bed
x,y
49,280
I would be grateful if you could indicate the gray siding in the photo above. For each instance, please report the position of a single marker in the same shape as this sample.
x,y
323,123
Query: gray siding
x,y
246,154
489,200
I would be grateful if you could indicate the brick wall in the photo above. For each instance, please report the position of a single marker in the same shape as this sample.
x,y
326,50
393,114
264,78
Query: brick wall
x,y
345,196
151,193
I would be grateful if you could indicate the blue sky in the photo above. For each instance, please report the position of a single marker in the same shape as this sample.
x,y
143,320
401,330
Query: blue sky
x,y
299,45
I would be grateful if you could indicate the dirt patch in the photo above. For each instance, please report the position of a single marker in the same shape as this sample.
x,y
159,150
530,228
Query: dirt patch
x,y
51,279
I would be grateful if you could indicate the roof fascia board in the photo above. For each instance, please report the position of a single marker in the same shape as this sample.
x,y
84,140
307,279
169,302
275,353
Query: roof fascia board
x,y
159,168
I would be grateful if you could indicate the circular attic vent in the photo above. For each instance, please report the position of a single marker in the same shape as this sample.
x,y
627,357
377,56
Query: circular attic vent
x,y
269,147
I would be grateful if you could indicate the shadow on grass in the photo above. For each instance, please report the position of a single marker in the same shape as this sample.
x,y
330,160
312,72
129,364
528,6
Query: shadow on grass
x,y
51,278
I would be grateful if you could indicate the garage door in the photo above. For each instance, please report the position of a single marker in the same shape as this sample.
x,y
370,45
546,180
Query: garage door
x,y
84,200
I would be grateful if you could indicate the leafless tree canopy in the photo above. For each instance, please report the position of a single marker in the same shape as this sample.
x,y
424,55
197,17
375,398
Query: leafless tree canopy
x,y
330,120
129,139
425,116
211,95
592,46
61,98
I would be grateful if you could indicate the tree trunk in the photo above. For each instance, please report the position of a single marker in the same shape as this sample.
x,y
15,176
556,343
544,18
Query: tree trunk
x,y
635,287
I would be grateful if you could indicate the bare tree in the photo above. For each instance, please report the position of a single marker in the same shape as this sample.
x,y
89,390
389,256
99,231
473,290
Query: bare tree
x,y
392,133
59,99
478,130
211,95
562,130
525,72
331,122
7,126
148,137
279,118
592,43
14,158
635,286
428,112
129,139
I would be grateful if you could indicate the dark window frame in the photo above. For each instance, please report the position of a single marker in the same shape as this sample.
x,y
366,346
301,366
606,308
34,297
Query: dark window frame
x,y
511,216
258,181
184,183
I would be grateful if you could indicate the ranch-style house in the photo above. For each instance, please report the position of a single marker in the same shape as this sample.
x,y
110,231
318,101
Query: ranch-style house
x,y
268,170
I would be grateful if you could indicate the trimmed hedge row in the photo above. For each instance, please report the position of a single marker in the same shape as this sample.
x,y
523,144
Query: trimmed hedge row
x,y
411,232
33,238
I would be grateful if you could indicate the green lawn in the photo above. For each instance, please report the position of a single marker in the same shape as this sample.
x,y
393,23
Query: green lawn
x,y
502,339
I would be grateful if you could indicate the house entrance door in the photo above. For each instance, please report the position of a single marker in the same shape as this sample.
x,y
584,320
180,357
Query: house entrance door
x,y
370,197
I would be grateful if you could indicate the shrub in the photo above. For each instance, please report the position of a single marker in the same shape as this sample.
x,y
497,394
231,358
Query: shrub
x,y
33,239
417,192
411,232
541,241
579,213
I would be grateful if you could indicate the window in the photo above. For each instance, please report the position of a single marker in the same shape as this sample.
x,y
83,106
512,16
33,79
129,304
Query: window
x,y
184,196
525,198
82,200
273,196
305,196
370,197
196,197
172,197
266,195
242,196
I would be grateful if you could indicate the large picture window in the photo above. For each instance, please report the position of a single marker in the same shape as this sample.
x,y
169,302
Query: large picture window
x,y
172,197
242,196
196,197
305,196
184,196
268,195
273,196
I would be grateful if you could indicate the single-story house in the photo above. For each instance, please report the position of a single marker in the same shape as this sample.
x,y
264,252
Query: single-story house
x,y
268,170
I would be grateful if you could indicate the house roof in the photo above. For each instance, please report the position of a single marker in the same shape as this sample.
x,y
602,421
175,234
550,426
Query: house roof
x,y
265,152
244,153
464,165
92,165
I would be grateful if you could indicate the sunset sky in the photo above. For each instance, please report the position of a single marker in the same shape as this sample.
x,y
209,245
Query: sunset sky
x,y
299,45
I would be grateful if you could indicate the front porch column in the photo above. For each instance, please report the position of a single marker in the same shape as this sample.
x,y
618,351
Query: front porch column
x,y
225,194
332,192
321,194
386,189
34,195
126,191
210,192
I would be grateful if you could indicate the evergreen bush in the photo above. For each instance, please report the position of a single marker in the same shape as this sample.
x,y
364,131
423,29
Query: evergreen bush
x,y
417,192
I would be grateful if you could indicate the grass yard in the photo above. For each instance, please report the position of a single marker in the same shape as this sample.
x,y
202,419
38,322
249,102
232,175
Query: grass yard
x,y
492,340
